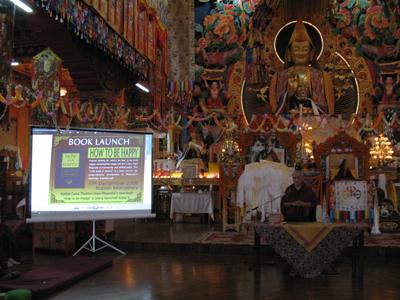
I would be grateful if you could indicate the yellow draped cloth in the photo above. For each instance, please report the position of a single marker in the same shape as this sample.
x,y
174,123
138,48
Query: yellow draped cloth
x,y
309,235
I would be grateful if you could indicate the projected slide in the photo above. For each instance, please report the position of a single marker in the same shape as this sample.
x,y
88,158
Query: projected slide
x,y
104,169
90,174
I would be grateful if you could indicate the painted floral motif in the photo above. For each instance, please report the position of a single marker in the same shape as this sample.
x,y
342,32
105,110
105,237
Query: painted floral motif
x,y
223,33
343,18
372,28
375,22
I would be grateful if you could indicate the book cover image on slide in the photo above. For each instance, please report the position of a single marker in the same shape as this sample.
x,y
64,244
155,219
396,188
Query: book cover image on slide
x,y
97,169
69,167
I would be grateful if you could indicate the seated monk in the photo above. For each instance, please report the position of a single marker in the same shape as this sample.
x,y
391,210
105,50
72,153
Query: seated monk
x,y
344,171
299,202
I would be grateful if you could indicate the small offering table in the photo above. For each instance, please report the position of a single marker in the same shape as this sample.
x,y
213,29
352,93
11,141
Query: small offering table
x,y
196,203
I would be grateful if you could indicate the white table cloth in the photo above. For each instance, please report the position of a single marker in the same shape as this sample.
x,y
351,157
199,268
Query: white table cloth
x,y
196,203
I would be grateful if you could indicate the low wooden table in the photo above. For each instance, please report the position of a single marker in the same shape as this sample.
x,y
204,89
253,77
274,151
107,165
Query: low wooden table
x,y
311,263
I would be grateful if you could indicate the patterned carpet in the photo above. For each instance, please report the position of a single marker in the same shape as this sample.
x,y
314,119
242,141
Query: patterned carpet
x,y
231,238
383,240
235,238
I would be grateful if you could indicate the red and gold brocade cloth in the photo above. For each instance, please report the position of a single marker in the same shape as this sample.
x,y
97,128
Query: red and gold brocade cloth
x,y
325,241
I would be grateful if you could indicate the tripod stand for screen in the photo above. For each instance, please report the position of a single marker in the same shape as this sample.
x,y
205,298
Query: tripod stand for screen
x,y
90,244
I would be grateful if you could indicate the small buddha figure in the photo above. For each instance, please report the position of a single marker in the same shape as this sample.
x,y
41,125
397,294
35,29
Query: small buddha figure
x,y
301,84
195,148
214,100
389,89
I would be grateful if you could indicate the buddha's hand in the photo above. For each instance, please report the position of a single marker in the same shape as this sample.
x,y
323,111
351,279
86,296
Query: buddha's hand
x,y
292,86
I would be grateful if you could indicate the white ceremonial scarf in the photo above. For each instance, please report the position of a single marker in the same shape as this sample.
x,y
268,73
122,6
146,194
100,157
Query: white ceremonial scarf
x,y
262,185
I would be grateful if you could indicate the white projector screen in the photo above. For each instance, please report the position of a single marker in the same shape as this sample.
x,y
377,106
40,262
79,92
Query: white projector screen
x,y
83,174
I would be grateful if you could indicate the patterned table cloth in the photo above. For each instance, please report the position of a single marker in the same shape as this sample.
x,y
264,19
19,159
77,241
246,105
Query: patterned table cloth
x,y
311,263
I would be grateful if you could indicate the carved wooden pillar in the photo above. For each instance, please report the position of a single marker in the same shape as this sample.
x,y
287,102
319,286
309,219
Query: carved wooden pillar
x,y
229,175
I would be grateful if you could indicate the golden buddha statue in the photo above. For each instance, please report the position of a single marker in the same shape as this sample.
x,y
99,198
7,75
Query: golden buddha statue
x,y
301,85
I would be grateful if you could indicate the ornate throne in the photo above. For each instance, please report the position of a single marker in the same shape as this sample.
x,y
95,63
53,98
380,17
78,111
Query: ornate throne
x,y
342,145
330,153
229,176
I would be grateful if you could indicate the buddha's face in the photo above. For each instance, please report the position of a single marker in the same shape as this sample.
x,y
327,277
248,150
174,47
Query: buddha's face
x,y
300,52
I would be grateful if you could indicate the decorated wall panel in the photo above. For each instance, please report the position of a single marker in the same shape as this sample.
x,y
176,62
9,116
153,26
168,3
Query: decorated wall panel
x,y
220,47
236,61
361,37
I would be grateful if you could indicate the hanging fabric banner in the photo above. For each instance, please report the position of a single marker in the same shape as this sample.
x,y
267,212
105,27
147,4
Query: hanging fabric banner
x,y
144,17
160,44
351,195
95,4
137,23
180,41
164,88
101,6
159,70
151,37
116,14
5,41
129,21
165,50
142,27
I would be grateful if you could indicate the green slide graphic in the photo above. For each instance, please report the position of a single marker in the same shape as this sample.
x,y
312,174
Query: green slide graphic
x,y
99,169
